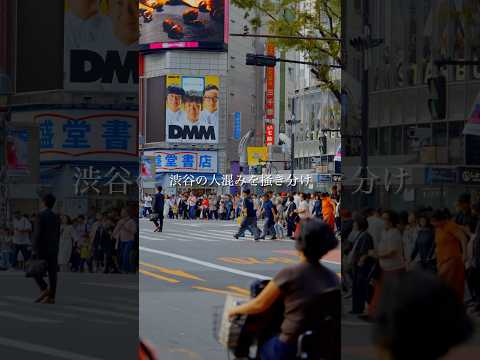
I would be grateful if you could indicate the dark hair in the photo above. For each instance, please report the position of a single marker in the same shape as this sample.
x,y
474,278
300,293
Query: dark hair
x,y
441,215
393,217
361,222
68,220
159,188
210,87
192,98
49,200
175,90
290,198
315,239
246,191
420,317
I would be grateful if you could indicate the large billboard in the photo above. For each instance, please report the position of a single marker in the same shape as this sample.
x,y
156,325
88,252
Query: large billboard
x,y
101,45
191,109
87,136
167,24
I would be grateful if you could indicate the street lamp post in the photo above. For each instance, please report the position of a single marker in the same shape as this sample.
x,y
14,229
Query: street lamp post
x,y
292,122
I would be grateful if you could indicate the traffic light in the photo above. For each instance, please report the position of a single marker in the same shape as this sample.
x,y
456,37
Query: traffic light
x,y
323,144
261,60
437,88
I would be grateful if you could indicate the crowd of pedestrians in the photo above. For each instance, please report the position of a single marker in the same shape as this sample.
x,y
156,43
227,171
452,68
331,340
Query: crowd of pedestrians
x,y
380,244
280,211
99,241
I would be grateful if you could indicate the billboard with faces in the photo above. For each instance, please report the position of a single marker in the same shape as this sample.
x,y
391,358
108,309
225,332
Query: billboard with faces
x,y
191,109
101,45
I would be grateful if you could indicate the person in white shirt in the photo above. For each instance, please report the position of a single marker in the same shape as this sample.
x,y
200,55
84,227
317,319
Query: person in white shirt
x,y
147,206
124,233
174,114
304,209
209,114
297,199
390,248
21,236
375,226
67,239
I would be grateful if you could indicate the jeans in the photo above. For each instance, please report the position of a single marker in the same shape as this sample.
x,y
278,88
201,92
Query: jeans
x,y
23,249
276,349
268,228
192,212
250,224
125,250
279,230
159,222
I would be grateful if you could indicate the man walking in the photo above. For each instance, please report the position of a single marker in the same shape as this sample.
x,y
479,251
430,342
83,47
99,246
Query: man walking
x,y
158,208
249,221
45,247
269,212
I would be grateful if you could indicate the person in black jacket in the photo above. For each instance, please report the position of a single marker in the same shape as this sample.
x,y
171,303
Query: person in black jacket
x,y
45,247
158,205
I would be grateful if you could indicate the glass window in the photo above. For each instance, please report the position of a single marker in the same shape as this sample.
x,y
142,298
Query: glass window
x,y
384,141
396,136
439,134
456,142
373,142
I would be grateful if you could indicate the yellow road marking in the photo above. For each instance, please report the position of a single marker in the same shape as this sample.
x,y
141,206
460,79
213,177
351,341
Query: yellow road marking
x,y
254,261
239,290
190,354
158,277
215,291
179,273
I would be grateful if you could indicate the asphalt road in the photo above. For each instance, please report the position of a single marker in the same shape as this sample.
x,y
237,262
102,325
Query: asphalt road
x,y
95,317
185,274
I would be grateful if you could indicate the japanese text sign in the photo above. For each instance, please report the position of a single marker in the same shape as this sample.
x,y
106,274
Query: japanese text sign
x,y
270,85
269,134
90,136
186,161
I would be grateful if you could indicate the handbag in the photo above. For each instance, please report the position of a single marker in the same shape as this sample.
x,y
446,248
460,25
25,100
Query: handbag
x,y
36,268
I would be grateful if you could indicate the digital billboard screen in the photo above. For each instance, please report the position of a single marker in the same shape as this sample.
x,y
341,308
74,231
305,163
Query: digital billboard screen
x,y
191,109
167,24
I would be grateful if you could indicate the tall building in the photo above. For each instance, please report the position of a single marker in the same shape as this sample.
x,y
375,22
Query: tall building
x,y
415,153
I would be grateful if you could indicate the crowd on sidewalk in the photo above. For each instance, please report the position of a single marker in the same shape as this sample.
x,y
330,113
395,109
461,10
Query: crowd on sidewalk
x,y
95,242
380,244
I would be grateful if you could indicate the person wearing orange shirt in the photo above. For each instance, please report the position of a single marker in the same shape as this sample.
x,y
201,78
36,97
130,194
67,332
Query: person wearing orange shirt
x,y
328,211
450,249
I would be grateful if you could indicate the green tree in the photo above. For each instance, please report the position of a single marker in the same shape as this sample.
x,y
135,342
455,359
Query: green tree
x,y
305,18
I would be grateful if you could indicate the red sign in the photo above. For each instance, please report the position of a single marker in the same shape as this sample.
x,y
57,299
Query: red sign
x,y
269,134
270,86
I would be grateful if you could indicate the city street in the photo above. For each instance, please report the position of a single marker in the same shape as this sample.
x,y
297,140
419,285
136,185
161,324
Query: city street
x,y
95,317
187,270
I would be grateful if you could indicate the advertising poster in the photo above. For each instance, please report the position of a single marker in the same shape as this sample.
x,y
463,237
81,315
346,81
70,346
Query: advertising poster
x,y
257,155
101,45
269,134
17,152
191,114
186,161
472,126
94,136
270,85
166,24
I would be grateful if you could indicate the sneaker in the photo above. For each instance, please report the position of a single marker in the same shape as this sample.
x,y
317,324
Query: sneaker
x,y
236,236
44,294
48,300
273,238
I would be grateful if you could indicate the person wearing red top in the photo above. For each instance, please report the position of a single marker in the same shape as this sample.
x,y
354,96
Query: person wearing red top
x,y
205,207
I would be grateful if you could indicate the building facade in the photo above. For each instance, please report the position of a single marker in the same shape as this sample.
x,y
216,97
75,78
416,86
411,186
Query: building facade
x,y
414,159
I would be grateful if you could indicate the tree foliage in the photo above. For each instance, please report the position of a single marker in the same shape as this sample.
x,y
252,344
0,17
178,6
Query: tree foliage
x,y
305,18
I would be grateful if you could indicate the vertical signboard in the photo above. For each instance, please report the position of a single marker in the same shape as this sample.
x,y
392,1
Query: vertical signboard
x,y
270,86
237,125
269,134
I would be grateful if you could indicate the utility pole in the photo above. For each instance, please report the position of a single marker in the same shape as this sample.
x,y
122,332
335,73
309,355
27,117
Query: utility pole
x,y
292,122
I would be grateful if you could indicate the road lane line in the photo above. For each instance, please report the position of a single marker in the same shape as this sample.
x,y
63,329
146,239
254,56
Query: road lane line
x,y
206,264
158,277
239,290
180,273
45,350
27,318
215,291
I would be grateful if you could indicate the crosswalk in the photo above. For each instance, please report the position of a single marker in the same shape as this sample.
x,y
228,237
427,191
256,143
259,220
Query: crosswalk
x,y
21,309
194,231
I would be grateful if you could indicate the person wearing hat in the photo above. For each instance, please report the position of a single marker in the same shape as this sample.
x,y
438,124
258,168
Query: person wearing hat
x,y
174,105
